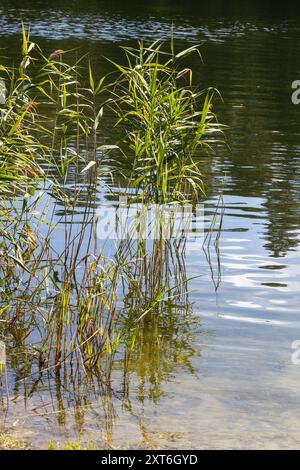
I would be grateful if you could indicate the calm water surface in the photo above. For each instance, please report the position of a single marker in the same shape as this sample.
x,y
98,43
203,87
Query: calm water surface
x,y
229,381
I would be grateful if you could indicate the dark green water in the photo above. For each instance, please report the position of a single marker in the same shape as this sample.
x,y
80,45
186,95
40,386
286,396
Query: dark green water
x,y
230,382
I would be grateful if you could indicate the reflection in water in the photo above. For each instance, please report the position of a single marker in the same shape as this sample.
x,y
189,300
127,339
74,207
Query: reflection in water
x,y
156,324
115,21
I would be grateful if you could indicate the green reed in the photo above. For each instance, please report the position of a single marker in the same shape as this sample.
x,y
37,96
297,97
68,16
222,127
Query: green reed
x,y
167,122
82,305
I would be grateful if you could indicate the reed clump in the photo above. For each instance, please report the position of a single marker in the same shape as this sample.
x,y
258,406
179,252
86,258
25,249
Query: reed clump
x,y
63,298
167,122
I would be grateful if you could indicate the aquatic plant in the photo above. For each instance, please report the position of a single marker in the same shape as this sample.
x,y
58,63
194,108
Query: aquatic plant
x,y
167,122
74,309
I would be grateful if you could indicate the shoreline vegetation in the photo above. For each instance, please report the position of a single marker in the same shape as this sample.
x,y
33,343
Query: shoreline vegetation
x,y
73,309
